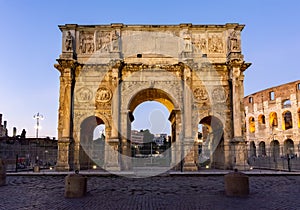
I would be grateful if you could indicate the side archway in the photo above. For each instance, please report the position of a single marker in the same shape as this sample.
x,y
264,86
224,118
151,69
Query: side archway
x,y
213,142
92,144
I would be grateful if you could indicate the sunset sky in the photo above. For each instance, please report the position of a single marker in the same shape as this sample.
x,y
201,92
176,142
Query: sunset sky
x,y
30,43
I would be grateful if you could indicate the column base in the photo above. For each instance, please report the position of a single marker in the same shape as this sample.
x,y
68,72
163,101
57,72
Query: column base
x,y
112,168
62,167
190,167
243,167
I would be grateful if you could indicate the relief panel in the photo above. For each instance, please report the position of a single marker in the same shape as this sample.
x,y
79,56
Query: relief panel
x,y
215,43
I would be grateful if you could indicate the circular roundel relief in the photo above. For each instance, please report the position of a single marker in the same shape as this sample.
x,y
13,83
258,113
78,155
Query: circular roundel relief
x,y
103,95
200,94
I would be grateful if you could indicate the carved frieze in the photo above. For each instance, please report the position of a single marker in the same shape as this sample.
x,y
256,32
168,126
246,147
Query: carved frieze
x,y
86,42
132,85
215,43
107,41
199,44
84,95
103,40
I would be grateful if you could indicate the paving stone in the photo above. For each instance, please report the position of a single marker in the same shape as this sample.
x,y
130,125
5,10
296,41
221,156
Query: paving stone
x,y
168,192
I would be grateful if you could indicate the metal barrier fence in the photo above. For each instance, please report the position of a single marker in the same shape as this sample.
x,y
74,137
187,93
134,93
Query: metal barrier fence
x,y
272,158
24,154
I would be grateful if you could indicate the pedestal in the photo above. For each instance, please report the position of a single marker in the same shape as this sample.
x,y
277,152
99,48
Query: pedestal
x,y
236,184
75,186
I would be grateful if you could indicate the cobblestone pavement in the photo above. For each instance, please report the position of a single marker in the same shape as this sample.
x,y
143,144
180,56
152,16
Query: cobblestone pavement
x,y
165,192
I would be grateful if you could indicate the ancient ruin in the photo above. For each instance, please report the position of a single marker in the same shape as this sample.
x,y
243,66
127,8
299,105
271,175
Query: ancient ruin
x,y
196,71
273,122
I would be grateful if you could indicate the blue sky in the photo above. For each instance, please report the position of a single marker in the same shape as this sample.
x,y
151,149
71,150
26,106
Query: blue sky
x,y
31,42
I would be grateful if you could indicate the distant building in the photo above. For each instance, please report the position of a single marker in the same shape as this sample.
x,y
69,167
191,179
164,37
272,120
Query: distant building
x,y
273,121
21,153
27,152
160,139
137,137
3,129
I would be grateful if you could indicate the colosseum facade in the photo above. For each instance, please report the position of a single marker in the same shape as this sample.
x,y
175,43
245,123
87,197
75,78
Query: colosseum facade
x,y
273,122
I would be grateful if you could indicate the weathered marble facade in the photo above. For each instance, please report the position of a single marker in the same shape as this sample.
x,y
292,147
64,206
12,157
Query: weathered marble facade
x,y
196,71
273,121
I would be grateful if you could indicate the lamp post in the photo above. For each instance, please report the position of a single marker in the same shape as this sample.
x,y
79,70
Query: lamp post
x,y
38,117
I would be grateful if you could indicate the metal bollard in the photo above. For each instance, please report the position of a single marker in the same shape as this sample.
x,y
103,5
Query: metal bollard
x,y
236,184
2,173
75,185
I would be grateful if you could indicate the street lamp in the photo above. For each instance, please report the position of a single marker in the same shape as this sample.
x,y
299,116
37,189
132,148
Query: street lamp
x,y
38,117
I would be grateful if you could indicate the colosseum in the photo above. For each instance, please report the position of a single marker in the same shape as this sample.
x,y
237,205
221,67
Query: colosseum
x,y
273,123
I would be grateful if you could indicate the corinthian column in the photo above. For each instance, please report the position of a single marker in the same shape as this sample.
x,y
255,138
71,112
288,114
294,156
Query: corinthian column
x,y
65,118
236,101
239,147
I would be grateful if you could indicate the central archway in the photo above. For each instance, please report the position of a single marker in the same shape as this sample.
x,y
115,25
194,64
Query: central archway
x,y
151,94
150,135
165,158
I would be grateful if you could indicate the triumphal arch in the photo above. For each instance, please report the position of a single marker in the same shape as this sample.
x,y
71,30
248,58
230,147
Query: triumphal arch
x,y
195,71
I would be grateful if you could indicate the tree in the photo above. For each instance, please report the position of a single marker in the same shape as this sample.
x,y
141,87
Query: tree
x,y
148,137
147,142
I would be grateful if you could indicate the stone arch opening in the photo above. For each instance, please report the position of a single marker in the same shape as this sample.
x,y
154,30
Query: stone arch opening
x,y
287,120
288,146
251,125
212,145
261,122
92,144
262,149
252,149
273,120
275,148
286,104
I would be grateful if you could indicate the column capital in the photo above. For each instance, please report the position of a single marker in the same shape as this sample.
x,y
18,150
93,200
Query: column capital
x,y
238,63
65,65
